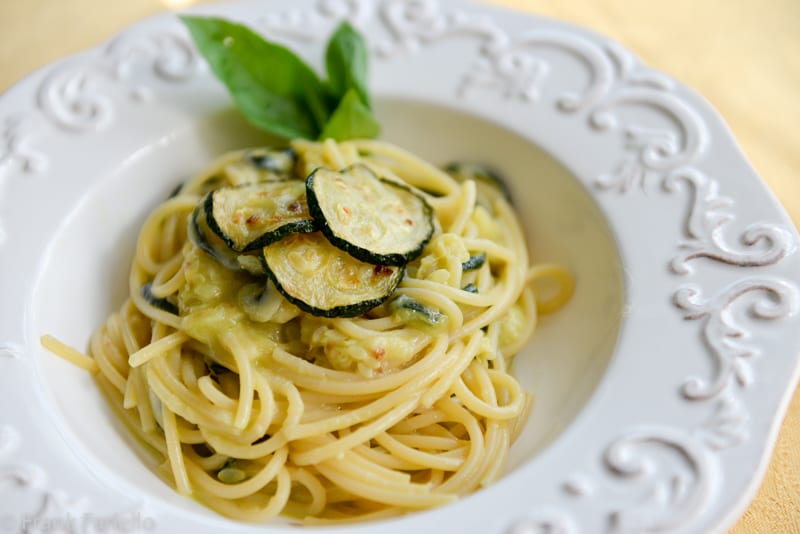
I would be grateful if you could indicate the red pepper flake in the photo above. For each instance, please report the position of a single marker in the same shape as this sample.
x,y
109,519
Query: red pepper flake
x,y
409,222
382,270
379,353
294,207
253,219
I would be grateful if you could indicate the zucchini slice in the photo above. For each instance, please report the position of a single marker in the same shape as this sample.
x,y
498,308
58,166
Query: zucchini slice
x,y
470,288
262,165
413,311
280,161
475,261
372,219
160,303
252,216
325,281
215,368
202,236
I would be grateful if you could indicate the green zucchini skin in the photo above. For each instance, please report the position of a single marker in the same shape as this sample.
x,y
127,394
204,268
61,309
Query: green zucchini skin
x,y
482,174
299,221
176,191
378,202
258,165
470,288
160,303
278,160
414,311
333,284
202,236
215,368
475,261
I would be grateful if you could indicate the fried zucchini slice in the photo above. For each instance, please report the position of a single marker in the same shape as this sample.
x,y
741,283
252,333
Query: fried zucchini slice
x,y
372,219
252,216
323,280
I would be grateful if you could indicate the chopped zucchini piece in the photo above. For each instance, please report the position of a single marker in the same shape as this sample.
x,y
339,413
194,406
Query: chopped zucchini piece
x,y
230,473
260,301
470,288
325,281
176,191
262,165
481,174
209,184
202,236
251,263
413,311
215,368
158,302
475,261
280,161
252,216
262,439
372,219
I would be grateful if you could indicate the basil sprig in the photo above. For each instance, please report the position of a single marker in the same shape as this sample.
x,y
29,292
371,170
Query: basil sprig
x,y
278,92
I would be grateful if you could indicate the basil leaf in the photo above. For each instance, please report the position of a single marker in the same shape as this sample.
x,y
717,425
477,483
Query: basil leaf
x,y
274,89
351,120
346,63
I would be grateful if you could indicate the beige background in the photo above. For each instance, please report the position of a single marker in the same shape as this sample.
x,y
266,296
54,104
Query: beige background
x,y
743,55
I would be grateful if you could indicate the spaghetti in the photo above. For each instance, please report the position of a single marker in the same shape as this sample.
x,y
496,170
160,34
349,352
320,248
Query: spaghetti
x,y
258,409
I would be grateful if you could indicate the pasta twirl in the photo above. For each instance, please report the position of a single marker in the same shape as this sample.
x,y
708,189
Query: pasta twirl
x,y
258,408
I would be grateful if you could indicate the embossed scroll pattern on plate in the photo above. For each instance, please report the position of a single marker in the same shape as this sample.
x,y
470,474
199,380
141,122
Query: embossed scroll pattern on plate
x,y
673,472
79,96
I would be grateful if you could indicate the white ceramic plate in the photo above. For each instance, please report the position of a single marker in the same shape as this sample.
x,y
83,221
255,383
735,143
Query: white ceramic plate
x,y
659,388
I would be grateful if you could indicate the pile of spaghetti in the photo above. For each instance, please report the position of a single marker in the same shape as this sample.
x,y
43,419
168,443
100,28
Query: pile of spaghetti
x,y
262,395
